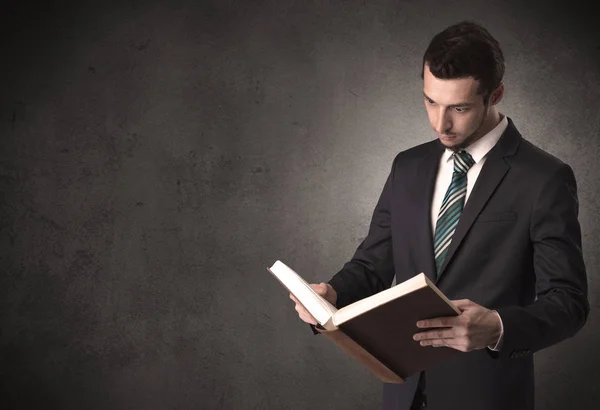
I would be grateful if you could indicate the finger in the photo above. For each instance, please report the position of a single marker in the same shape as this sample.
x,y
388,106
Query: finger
x,y
434,342
458,343
462,303
320,288
308,318
435,334
439,322
451,343
301,309
302,312
461,343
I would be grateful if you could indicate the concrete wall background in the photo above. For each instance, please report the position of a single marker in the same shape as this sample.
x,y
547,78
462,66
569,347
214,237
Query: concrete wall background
x,y
155,157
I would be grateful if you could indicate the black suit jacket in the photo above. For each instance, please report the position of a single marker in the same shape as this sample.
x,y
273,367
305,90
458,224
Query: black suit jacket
x,y
516,249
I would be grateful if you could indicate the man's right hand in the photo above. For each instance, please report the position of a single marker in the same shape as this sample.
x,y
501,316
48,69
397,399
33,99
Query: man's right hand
x,y
323,289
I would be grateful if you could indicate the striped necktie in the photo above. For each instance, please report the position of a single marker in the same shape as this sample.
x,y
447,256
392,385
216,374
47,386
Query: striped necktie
x,y
452,207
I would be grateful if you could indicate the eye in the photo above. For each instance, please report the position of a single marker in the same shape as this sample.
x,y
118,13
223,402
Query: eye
x,y
461,109
429,101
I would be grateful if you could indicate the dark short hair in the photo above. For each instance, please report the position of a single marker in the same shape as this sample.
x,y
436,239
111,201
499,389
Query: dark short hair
x,y
466,49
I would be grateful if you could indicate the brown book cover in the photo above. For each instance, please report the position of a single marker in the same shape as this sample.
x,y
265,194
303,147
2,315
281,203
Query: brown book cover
x,y
387,332
355,350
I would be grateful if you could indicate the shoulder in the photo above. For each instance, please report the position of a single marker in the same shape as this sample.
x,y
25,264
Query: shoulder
x,y
537,158
549,176
540,169
533,162
415,154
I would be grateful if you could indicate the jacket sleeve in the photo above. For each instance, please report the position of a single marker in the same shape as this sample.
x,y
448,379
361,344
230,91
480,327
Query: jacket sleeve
x,y
371,269
561,307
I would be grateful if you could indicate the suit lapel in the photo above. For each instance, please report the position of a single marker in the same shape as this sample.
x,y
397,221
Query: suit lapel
x,y
492,173
426,177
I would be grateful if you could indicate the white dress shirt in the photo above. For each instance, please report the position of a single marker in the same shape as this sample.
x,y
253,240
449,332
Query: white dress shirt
x,y
478,150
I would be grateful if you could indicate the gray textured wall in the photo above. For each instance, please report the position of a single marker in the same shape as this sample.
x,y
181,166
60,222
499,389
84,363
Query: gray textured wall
x,y
156,157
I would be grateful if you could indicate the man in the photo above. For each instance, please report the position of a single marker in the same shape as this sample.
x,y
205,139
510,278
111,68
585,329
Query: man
x,y
492,220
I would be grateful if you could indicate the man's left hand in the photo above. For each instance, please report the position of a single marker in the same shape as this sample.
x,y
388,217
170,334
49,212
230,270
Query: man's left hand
x,y
475,328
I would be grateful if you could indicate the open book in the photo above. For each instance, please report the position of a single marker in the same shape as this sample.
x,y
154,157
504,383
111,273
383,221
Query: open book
x,y
377,330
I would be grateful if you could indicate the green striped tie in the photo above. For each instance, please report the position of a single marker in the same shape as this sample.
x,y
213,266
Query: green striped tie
x,y
452,207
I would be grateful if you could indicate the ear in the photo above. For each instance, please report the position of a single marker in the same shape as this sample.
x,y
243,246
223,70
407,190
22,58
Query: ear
x,y
497,95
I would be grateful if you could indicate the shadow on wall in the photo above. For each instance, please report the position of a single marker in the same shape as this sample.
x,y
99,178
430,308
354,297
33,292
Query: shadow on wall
x,y
558,366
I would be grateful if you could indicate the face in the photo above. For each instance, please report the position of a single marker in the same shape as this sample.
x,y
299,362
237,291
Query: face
x,y
456,111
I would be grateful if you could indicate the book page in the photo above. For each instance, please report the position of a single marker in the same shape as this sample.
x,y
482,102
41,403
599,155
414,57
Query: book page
x,y
320,308
364,305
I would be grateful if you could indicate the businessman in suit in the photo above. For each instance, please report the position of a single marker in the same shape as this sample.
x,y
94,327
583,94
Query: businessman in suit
x,y
492,220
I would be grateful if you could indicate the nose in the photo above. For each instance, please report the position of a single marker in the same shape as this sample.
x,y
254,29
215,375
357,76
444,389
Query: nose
x,y
443,123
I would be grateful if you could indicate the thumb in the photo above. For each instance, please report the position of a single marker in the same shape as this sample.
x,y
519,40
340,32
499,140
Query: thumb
x,y
320,288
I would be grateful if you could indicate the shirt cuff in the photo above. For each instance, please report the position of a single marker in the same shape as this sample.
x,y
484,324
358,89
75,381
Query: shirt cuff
x,y
498,345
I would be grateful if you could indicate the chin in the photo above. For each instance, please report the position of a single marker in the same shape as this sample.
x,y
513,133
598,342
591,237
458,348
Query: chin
x,y
452,142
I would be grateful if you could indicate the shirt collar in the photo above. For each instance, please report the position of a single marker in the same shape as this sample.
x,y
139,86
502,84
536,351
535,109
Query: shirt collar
x,y
483,145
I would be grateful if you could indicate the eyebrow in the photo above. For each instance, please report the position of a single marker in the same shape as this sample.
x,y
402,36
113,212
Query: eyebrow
x,y
463,104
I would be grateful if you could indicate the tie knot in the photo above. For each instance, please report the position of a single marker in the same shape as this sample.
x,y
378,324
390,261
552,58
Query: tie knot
x,y
463,161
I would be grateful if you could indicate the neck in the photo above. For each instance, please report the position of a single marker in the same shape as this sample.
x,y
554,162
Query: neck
x,y
492,120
